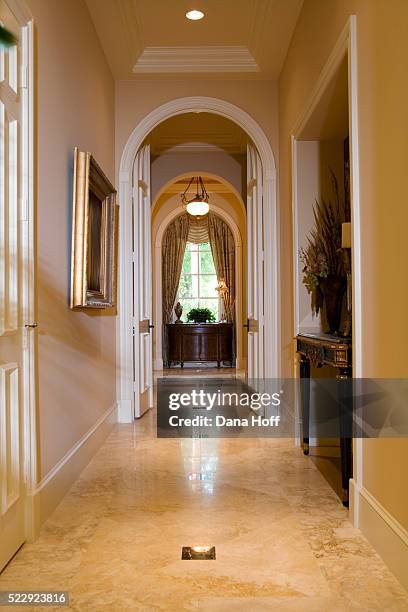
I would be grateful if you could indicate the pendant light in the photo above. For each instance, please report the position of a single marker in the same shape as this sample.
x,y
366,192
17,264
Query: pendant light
x,y
198,206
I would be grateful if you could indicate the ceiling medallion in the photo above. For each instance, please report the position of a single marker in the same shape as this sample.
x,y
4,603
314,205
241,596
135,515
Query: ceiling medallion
x,y
198,206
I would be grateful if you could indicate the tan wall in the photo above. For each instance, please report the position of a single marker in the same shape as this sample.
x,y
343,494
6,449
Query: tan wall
x,y
75,106
383,126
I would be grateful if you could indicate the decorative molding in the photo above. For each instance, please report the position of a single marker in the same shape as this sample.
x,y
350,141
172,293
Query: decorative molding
x,y
260,19
10,449
385,533
169,109
195,59
52,488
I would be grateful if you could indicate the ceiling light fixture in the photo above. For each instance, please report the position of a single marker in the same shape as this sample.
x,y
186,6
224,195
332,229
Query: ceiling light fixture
x,y
197,206
194,15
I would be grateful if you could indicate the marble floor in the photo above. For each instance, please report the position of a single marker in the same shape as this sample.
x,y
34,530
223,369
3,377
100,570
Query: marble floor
x,y
283,540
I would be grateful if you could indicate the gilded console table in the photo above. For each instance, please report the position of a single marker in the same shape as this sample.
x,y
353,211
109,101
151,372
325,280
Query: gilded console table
x,y
320,350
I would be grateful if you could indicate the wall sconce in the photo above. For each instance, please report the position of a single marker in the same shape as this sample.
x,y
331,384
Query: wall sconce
x,y
222,287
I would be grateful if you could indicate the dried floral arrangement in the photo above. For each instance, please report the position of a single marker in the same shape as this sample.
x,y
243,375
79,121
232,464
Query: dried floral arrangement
x,y
323,257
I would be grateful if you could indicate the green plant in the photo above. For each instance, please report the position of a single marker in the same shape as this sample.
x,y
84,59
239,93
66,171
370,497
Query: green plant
x,y
201,315
7,38
323,255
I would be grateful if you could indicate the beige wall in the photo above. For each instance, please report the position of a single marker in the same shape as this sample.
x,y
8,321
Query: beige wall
x,y
383,133
75,106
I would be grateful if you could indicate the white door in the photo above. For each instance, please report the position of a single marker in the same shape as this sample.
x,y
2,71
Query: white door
x,y
255,269
142,284
16,265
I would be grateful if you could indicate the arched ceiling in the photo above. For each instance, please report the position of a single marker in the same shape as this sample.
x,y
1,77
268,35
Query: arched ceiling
x,y
193,132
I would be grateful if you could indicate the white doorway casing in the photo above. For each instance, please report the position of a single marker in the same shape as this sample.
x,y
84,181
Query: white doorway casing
x,y
18,418
270,223
346,47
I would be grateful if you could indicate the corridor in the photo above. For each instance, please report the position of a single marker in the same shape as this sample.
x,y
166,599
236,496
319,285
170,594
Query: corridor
x,y
283,540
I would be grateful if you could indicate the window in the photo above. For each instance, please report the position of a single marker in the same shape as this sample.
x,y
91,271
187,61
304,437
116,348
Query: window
x,y
198,280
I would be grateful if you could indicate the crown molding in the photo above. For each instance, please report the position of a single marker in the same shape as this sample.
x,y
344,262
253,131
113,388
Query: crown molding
x,y
195,59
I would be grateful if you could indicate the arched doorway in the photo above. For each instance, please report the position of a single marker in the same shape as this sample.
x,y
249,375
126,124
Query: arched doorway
x,y
265,263
158,229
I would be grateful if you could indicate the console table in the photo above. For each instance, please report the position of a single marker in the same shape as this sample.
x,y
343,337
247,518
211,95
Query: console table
x,y
320,350
199,342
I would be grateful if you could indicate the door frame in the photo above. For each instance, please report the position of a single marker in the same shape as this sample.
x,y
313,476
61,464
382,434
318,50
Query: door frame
x,y
170,109
28,263
345,47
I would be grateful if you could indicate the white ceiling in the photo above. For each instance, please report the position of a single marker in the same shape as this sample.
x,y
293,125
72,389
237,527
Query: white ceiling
x,y
236,39
198,132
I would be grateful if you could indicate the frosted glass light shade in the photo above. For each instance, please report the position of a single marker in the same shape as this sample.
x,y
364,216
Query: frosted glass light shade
x,y
194,15
198,208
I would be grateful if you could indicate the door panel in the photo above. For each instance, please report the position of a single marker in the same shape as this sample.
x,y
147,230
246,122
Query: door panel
x,y
255,288
12,486
142,313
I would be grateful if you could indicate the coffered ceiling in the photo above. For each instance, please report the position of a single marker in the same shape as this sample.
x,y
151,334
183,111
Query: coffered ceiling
x,y
145,39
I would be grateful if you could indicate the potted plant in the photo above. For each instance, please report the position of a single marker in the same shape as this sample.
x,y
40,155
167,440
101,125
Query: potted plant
x,y
325,263
200,315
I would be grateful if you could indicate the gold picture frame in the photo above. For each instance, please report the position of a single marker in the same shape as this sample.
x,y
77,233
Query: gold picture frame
x,y
94,236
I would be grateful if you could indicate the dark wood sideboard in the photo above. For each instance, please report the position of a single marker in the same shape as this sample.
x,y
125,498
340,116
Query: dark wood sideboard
x,y
199,342
320,350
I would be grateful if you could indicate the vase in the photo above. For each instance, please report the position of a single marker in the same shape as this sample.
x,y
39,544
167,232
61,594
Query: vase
x,y
333,288
178,309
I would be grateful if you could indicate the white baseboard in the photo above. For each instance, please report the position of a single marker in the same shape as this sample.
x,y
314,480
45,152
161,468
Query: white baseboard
x,y
384,532
54,486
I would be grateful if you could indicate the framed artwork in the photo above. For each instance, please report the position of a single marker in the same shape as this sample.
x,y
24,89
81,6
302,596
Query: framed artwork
x,y
94,236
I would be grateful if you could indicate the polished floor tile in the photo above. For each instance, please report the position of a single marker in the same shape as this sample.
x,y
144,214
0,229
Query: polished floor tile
x,y
283,540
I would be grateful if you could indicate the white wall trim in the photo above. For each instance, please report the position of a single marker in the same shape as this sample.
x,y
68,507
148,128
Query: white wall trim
x,y
195,59
385,533
48,493
125,298
23,15
157,233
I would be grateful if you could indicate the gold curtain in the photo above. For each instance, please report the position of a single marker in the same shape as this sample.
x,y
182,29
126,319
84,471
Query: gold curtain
x,y
173,248
223,252
198,230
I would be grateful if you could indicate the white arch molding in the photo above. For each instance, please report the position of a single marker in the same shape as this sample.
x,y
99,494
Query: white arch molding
x,y
269,213
157,280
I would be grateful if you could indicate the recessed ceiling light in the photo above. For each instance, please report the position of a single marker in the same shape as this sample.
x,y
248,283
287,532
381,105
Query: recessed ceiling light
x,y
194,15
